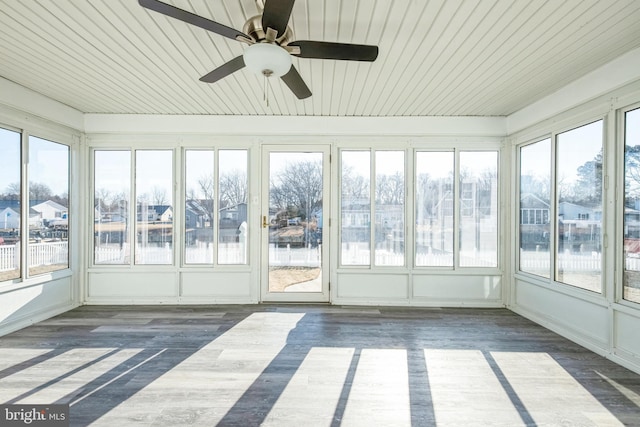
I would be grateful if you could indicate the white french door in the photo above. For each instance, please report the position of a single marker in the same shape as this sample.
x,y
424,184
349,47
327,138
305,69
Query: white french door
x,y
295,249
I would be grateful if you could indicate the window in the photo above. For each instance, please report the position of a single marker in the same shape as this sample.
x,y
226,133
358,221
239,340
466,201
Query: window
x,y
112,189
389,208
434,208
233,197
632,206
535,203
199,206
154,207
436,234
478,209
355,207
386,224
10,209
48,244
579,206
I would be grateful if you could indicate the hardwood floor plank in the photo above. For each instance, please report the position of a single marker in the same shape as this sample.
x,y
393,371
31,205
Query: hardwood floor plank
x,y
308,365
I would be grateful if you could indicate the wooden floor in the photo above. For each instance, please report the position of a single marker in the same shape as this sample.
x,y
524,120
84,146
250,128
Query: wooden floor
x,y
312,366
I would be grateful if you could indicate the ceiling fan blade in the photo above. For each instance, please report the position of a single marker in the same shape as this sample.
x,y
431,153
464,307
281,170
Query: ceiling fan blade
x,y
276,15
329,50
224,70
190,18
296,84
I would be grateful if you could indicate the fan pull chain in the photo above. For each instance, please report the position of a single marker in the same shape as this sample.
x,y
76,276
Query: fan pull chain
x,y
266,90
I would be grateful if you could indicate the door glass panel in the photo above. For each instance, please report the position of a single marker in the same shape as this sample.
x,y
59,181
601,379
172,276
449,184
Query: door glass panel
x,y
295,222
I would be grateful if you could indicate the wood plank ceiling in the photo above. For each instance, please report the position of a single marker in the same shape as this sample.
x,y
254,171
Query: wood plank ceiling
x,y
437,57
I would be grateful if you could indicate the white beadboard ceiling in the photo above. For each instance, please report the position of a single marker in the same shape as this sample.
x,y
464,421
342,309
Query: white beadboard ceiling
x,y
437,57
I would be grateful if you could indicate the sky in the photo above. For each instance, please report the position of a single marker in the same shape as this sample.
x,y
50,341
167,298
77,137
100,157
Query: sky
x,y
49,161
574,148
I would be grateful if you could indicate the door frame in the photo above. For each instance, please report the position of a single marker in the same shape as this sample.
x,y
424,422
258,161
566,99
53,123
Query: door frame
x,y
314,297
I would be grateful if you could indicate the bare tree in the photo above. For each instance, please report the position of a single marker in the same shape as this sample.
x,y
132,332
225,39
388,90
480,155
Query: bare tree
x,y
206,187
159,196
298,186
354,186
233,188
206,194
390,189
13,191
103,199
38,191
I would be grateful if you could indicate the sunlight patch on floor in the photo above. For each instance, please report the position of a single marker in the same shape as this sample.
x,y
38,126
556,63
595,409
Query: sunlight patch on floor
x,y
380,391
537,377
466,391
313,393
56,378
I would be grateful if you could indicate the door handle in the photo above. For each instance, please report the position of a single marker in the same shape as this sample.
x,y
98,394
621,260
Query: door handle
x,y
264,221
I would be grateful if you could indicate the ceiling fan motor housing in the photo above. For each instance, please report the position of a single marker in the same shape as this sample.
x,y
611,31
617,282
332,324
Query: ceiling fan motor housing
x,y
253,28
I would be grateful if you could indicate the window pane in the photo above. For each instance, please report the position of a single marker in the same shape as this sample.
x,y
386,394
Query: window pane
x,y
355,208
434,209
535,202
112,190
10,210
48,206
632,207
199,206
579,205
389,209
478,209
232,223
154,207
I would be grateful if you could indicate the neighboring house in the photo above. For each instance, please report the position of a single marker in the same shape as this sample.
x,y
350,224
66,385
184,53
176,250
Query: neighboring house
x,y
9,219
231,219
153,213
534,223
10,215
579,228
196,215
571,211
533,210
50,210
236,213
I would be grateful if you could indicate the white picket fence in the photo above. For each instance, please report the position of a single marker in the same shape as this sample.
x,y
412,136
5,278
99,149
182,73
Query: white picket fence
x,y
298,257
47,253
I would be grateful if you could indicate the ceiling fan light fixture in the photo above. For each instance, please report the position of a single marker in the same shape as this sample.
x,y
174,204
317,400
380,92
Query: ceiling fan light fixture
x,y
267,59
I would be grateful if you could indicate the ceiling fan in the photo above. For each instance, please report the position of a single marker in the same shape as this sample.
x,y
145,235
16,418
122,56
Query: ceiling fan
x,y
271,43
